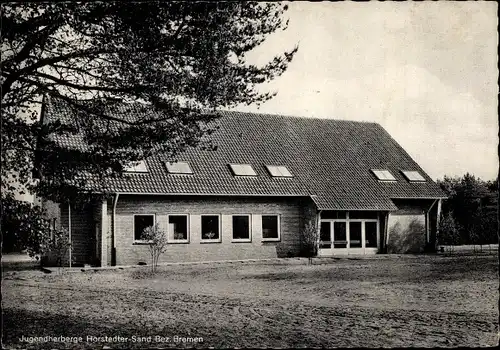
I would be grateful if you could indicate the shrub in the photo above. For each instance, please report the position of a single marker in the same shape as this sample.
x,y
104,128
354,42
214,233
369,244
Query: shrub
x,y
449,231
157,243
310,236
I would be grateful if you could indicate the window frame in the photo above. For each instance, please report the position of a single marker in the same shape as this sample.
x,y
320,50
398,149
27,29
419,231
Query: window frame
x,y
242,240
245,175
142,241
188,229
347,221
278,218
129,170
407,177
278,169
167,164
205,240
374,172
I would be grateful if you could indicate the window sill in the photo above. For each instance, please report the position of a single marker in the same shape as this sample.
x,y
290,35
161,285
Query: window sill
x,y
204,241
241,241
141,243
265,240
179,242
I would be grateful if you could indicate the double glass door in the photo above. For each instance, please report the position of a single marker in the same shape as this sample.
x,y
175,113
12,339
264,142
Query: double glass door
x,y
341,237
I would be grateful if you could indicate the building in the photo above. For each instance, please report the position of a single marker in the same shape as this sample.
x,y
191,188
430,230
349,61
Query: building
x,y
253,196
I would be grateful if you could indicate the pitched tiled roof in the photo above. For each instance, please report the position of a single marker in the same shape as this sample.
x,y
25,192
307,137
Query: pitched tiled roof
x,y
330,161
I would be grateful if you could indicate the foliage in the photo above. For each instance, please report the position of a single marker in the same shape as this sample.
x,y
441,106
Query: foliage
x,y
56,245
182,59
310,236
157,243
449,233
23,226
473,203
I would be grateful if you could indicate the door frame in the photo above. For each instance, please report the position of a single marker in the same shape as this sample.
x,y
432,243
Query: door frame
x,y
348,250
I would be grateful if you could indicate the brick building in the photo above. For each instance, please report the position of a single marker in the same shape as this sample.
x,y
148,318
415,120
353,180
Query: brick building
x,y
251,197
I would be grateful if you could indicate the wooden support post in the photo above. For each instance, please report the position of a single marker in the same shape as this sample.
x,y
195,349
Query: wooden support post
x,y
69,233
104,233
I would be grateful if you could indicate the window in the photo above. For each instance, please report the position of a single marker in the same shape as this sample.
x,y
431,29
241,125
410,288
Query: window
x,y
383,175
140,223
278,171
270,228
362,214
325,236
339,234
210,228
371,234
355,235
242,170
137,167
413,176
333,214
178,168
178,228
241,228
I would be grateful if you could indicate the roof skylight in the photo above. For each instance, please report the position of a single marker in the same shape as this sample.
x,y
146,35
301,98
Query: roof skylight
x,y
242,170
383,175
413,176
138,167
178,168
278,171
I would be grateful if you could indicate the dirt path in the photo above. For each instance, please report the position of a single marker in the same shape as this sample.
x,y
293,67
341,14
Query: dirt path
x,y
264,306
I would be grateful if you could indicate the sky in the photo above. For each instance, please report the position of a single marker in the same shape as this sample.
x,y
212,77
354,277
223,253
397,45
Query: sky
x,y
426,71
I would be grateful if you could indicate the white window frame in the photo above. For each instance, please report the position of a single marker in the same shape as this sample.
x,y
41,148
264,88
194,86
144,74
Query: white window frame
x,y
409,173
375,171
363,233
142,241
347,220
172,171
278,216
205,240
238,175
137,169
170,238
242,240
277,169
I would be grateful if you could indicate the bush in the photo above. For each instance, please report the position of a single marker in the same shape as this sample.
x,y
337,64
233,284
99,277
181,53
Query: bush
x,y
24,226
157,243
449,231
310,236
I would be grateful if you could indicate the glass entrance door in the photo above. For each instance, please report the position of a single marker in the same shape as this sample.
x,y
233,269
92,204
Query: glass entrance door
x,y
342,237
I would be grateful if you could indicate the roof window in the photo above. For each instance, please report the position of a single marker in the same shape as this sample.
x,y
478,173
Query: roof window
x,y
383,175
137,167
413,176
178,168
242,170
278,171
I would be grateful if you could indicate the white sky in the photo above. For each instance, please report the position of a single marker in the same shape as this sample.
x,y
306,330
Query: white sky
x,y
427,72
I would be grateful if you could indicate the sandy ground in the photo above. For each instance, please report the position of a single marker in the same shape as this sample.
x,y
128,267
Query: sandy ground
x,y
406,301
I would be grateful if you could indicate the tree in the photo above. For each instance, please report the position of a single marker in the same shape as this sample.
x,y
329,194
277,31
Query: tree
x,y
157,243
473,204
23,226
55,246
183,60
448,231
311,237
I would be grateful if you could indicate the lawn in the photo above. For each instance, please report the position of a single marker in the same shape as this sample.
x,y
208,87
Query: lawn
x,y
397,301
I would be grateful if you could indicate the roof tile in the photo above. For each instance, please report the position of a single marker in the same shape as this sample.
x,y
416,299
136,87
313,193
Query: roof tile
x,y
330,160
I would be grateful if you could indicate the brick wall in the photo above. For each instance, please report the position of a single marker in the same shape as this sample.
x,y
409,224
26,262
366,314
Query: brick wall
x,y
289,210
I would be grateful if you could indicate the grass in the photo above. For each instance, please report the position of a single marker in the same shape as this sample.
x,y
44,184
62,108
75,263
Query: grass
x,y
426,301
